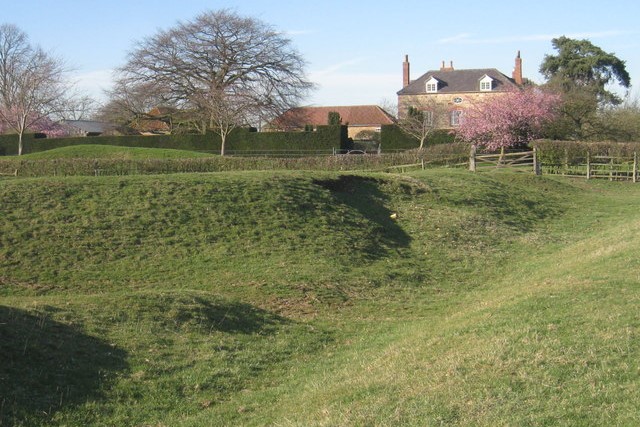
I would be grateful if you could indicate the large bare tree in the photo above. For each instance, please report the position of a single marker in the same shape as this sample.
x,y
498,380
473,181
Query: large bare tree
x,y
32,84
229,70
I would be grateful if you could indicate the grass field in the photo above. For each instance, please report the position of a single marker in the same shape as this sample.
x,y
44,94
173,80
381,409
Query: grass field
x,y
439,297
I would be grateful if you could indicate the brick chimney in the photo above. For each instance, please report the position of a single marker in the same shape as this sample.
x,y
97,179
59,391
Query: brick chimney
x,y
517,71
449,68
406,78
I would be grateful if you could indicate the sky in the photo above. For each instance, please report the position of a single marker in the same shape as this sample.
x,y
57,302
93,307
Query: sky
x,y
354,49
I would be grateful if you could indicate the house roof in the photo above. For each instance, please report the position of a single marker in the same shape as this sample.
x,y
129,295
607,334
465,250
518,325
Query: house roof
x,y
89,126
354,115
454,81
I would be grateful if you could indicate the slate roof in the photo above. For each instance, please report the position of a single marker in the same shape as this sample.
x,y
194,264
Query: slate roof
x,y
89,126
458,81
354,115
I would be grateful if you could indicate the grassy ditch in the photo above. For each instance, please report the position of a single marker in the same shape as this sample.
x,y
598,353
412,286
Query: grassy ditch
x,y
318,298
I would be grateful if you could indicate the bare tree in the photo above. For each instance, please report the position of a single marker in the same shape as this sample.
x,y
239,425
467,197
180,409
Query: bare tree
x,y
129,105
32,84
229,70
422,119
78,108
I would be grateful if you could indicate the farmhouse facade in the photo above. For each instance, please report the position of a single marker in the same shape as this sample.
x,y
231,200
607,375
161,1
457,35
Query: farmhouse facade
x,y
445,93
359,119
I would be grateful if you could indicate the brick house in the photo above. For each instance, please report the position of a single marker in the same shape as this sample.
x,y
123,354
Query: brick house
x,y
448,91
357,118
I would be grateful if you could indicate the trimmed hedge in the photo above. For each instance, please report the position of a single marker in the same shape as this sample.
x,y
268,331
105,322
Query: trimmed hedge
x,y
324,138
393,138
444,154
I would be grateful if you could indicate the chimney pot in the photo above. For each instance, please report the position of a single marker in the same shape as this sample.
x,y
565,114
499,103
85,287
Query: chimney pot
x,y
517,71
406,77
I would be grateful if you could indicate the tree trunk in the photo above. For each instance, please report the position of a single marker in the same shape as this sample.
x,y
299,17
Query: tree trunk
x,y
223,139
19,143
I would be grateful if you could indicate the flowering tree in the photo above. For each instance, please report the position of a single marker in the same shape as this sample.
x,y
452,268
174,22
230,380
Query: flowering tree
x,y
515,118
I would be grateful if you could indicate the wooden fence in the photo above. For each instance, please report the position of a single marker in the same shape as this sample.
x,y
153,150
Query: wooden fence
x,y
613,168
589,166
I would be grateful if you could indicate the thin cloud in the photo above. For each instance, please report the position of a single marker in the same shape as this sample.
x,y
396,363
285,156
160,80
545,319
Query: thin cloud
x,y
458,38
299,32
94,82
467,38
331,69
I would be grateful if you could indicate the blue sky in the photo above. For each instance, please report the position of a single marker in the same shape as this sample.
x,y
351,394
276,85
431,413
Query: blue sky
x,y
354,49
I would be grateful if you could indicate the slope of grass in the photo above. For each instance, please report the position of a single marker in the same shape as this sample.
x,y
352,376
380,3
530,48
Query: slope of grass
x,y
300,298
96,151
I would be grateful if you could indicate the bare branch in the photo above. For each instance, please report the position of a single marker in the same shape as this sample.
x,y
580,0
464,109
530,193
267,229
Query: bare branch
x,y
227,69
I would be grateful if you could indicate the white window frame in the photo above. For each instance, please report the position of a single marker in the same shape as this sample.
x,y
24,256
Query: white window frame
x,y
432,85
486,84
455,117
428,117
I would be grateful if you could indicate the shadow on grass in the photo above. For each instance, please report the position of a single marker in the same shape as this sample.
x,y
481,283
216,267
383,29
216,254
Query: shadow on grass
x,y
222,316
519,204
46,365
364,195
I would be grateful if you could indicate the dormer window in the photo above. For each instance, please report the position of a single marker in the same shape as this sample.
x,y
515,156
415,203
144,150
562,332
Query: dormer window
x,y
432,85
486,84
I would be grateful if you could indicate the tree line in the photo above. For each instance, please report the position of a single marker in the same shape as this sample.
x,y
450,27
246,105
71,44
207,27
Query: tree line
x,y
214,73
220,71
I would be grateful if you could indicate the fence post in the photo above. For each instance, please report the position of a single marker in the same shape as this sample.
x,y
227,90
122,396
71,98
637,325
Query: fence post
x,y
536,164
472,159
635,166
611,169
588,164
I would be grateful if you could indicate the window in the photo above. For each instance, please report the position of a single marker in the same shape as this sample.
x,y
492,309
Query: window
x,y
455,117
432,85
428,118
486,83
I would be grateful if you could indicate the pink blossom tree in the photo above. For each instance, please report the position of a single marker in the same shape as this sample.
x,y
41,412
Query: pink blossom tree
x,y
511,119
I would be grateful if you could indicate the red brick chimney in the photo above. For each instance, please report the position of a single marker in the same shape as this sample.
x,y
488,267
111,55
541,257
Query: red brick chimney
x,y
406,78
449,68
517,71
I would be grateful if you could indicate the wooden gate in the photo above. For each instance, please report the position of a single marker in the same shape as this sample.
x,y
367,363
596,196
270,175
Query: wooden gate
x,y
523,160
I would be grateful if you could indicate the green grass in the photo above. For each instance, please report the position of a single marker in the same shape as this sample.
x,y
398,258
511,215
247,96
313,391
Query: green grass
x,y
295,299
94,151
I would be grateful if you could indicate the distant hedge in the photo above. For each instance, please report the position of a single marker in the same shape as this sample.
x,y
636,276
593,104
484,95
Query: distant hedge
x,y
393,138
324,138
